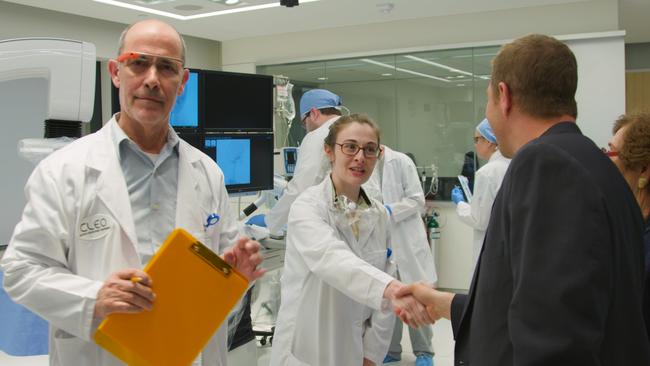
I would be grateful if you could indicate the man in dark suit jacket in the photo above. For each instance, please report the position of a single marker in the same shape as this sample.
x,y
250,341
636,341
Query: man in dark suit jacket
x,y
560,277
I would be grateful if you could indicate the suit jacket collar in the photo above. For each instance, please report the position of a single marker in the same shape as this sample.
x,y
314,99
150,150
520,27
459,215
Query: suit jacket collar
x,y
562,127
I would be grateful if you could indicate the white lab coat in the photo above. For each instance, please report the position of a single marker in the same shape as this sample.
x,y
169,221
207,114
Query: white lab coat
x,y
311,168
401,190
486,185
56,272
332,287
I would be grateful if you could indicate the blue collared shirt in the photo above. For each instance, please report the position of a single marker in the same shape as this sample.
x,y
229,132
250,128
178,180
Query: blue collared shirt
x,y
152,183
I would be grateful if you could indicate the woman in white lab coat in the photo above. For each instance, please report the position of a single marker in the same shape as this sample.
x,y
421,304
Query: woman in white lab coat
x,y
334,282
486,185
56,266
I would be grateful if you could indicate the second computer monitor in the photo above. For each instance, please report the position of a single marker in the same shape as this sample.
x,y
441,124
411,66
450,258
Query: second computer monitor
x,y
237,102
246,160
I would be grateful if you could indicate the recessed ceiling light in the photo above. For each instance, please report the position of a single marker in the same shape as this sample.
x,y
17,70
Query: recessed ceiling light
x,y
401,69
385,7
227,2
419,59
387,74
460,84
188,7
153,2
322,78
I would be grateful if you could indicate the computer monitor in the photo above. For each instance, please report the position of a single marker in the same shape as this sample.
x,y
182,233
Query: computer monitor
x,y
192,138
245,159
290,160
185,113
237,102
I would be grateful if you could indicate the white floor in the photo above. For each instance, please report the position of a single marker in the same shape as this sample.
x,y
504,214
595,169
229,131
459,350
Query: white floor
x,y
443,346
6,360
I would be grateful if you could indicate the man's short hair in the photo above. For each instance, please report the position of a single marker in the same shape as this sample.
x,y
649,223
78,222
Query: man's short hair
x,y
541,73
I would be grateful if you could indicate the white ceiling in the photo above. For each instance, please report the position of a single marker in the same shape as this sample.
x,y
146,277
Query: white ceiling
x,y
315,15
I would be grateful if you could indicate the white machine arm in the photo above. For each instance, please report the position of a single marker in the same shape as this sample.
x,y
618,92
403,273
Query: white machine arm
x,y
69,67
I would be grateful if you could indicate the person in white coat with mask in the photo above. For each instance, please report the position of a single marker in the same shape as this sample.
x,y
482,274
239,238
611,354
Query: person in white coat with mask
x,y
486,185
98,209
404,199
336,294
319,108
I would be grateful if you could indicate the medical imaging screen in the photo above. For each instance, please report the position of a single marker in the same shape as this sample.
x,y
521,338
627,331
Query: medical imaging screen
x,y
234,158
186,110
246,160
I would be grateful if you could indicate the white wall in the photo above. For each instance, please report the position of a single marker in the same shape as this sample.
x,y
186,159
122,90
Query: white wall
x,y
578,17
601,84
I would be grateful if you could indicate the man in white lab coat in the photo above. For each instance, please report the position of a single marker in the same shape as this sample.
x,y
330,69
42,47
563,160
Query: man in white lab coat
x,y
404,199
319,108
98,209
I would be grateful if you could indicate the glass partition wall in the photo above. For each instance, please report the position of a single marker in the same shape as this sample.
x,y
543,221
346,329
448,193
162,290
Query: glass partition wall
x,y
426,103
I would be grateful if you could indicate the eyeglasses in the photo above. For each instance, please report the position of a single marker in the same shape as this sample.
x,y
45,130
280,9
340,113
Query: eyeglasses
x,y
369,151
477,138
609,152
139,62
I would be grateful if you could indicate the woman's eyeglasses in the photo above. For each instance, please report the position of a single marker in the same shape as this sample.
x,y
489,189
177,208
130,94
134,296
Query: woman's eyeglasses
x,y
351,149
609,152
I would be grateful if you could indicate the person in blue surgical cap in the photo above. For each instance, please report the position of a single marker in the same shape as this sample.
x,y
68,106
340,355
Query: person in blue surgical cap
x,y
486,185
319,109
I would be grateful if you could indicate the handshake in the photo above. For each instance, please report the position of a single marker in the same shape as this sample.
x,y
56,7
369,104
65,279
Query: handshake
x,y
419,303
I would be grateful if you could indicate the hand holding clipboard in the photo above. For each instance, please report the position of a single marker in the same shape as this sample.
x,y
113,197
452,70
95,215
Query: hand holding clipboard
x,y
464,184
195,291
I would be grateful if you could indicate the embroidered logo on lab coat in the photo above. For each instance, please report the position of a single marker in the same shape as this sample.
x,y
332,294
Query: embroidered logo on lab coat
x,y
95,227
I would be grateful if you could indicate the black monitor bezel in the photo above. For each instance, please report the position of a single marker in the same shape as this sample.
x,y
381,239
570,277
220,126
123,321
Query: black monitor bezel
x,y
258,182
200,102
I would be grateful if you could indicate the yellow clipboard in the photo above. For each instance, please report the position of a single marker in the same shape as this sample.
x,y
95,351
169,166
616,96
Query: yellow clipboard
x,y
195,291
